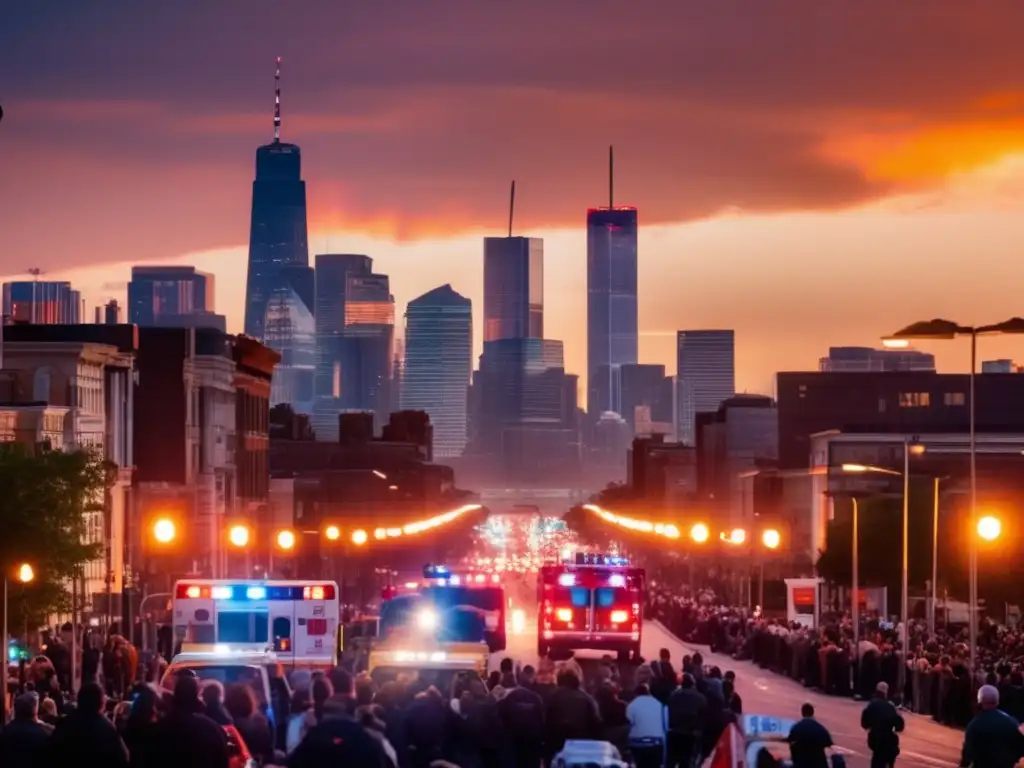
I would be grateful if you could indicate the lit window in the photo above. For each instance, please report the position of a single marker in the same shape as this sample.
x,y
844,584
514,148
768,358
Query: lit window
x,y
915,399
954,398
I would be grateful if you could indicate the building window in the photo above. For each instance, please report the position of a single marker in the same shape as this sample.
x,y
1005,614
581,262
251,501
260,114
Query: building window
x,y
915,399
954,398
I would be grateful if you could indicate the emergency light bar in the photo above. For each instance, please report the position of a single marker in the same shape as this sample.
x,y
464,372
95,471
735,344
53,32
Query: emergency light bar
x,y
436,572
590,558
254,592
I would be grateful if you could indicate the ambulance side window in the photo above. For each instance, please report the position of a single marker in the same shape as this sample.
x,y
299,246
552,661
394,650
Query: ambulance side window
x,y
282,634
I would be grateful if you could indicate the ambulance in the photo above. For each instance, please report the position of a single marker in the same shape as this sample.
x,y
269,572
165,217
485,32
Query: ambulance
x,y
296,620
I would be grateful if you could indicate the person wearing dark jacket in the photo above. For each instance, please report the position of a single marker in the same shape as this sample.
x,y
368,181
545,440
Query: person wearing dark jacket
x,y
883,724
338,740
993,738
571,713
25,740
86,737
809,741
522,713
687,721
186,737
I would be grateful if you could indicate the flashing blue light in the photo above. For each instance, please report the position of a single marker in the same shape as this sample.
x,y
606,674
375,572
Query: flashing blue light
x,y
436,572
589,558
256,593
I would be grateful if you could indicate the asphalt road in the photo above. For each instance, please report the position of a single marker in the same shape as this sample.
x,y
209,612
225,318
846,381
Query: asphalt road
x,y
924,743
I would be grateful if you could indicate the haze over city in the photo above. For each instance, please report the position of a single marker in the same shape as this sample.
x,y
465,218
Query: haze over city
x,y
778,186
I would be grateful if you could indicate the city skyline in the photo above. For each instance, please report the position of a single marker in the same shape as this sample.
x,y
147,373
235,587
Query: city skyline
x,y
771,211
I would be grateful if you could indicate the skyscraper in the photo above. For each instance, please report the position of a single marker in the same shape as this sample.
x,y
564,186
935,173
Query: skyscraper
x,y
289,329
42,302
277,235
513,288
438,364
355,324
612,334
705,375
180,297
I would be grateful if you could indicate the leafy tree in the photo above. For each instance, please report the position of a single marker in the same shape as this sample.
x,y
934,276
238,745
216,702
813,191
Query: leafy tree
x,y
44,500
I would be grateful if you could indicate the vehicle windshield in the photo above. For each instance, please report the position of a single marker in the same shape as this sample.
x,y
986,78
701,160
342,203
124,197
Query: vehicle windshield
x,y
225,674
462,612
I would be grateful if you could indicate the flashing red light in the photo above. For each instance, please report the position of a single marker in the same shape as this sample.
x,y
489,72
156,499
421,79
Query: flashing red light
x,y
191,592
318,592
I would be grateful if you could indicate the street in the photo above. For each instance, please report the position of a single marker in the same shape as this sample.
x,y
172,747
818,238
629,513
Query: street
x,y
924,743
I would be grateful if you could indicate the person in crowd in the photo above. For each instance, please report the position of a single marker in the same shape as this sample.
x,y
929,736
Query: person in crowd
x,y
732,699
522,716
212,694
87,737
48,711
884,724
140,726
687,722
993,738
25,740
571,712
508,676
647,721
253,726
338,740
186,736
809,741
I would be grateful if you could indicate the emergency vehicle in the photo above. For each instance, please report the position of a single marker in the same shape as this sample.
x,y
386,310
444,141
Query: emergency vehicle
x,y
593,602
297,620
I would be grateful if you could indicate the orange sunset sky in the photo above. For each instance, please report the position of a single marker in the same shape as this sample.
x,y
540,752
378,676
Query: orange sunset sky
x,y
808,172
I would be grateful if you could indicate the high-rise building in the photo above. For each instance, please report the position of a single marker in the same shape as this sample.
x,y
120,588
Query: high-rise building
x,y
705,375
612,333
355,325
290,330
868,359
277,235
172,297
42,302
438,365
646,398
109,313
513,288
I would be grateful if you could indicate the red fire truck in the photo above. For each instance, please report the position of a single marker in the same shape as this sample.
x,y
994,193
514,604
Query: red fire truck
x,y
593,602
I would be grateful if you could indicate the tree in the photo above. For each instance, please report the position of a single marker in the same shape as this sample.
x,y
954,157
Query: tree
x,y
45,500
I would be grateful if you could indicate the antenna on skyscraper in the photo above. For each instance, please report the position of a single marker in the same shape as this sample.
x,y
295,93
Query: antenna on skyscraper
x,y
277,101
611,176
511,206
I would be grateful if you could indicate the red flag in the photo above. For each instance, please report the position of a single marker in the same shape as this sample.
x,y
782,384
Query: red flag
x,y
729,752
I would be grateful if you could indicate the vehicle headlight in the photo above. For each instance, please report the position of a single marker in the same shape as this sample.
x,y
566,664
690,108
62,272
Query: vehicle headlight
x,y
427,620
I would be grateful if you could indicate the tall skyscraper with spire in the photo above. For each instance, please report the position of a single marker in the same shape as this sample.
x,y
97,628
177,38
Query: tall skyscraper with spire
x,y
612,312
278,249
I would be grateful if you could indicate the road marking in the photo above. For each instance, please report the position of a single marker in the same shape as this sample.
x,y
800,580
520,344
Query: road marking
x,y
928,759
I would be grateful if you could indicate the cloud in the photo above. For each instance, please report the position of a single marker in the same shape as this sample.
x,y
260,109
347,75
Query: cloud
x,y
135,129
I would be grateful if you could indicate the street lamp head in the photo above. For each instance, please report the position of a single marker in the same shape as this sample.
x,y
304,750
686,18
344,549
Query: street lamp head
x,y
736,536
989,528
286,540
856,469
917,449
332,532
700,533
164,531
359,537
771,538
239,535
1015,325
25,573
925,329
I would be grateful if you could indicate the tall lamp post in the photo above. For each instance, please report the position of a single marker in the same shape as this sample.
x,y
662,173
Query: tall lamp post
x,y
943,330
24,575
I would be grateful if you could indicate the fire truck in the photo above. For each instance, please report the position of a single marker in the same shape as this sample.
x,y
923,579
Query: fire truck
x,y
593,602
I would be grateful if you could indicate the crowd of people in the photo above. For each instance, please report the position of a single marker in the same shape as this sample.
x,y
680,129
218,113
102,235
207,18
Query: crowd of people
x,y
937,680
516,717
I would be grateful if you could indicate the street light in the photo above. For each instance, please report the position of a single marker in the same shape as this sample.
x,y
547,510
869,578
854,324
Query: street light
x,y
736,536
25,574
771,538
359,537
239,536
943,330
332,532
286,540
989,528
700,533
164,530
